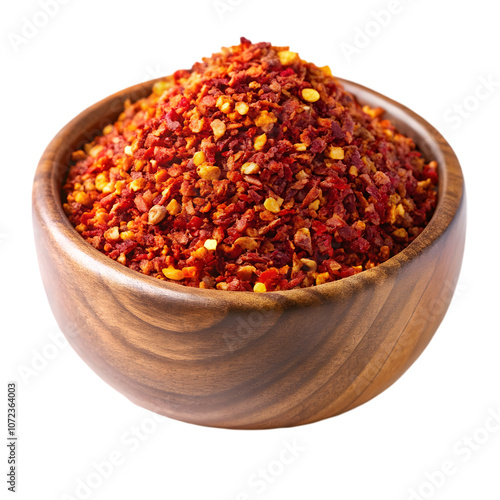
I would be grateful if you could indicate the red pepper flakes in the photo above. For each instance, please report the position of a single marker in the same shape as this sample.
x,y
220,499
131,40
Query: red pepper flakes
x,y
254,170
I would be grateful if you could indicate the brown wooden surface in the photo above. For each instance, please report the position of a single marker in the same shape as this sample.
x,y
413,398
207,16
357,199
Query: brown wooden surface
x,y
238,359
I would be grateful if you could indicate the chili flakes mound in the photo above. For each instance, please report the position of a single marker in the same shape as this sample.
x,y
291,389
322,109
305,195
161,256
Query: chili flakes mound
x,y
254,170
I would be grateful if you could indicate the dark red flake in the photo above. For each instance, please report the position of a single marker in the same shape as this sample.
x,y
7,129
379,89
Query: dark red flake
x,y
254,170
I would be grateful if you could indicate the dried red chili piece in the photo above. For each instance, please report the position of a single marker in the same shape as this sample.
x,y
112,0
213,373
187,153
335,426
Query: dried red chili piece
x,y
254,170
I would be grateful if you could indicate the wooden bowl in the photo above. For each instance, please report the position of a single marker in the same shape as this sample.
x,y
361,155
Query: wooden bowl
x,y
239,359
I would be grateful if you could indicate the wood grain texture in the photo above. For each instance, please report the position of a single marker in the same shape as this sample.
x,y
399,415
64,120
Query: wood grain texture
x,y
238,359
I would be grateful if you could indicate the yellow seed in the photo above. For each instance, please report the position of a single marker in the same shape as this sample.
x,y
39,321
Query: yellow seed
x,y
249,168
224,103
392,214
373,112
101,217
400,233
83,198
78,155
265,120
326,70
368,111
273,205
112,234
310,95
122,259
247,243
301,175
96,150
260,142
314,205
156,214
108,188
424,184
101,180
335,153
128,150
400,210
353,171
259,288
127,235
210,244
189,271
107,129
199,158
300,146
208,172
173,274
199,253
196,125
322,278
119,186
138,184
123,173
173,207
287,57
81,227
242,108
359,225
219,128
161,175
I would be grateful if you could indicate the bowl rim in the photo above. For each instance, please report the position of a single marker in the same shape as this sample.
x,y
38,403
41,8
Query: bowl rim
x,y
52,167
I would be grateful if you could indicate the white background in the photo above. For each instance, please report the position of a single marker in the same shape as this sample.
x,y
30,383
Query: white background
x,y
431,56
